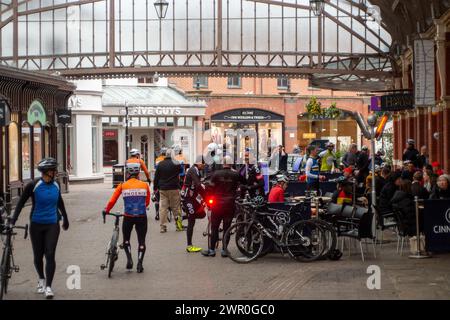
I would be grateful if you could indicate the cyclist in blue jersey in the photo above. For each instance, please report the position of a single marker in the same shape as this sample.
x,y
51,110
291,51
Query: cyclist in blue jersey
x,y
46,212
312,169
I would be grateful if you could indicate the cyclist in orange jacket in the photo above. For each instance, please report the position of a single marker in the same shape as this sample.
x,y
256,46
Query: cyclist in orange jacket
x,y
136,198
135,157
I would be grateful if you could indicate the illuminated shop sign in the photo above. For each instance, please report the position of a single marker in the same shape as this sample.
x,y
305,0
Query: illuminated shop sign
x,y
155,111
247,115
392,102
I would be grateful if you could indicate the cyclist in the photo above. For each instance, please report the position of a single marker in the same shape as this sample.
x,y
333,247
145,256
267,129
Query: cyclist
x,y
136,198
192,199
277,192
329,158
255,182
135,157
46,211
225,183
155,195
312,169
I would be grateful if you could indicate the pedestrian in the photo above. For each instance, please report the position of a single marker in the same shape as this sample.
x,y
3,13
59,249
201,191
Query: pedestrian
x,y
279,159
388,192
136,198
135,157
312,169
417,188
276,194
193,195
429,180
350,157
442,190
328,158
411,153
224,185
424,158
167,182
362,165
47,209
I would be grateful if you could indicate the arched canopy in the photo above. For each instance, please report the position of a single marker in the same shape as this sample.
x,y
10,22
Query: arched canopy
x,y
348,43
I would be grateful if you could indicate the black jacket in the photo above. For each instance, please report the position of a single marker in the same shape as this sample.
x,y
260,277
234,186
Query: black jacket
x,y
386,195
437,194
225,184
167,175
411,154
193,182
418,191
404,203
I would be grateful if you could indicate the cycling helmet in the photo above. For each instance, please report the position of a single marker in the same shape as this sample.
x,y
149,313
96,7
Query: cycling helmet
x,y
133,169
163,151
134,152
47,164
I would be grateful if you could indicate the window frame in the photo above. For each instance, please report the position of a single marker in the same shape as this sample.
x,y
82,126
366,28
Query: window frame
x,y
230,83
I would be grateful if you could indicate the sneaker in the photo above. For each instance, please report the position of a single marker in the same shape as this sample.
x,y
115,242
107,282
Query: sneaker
x,y
193,249
129,265
209,253
139,267
157,217
49,293
41,286
163,229
179,225
224,254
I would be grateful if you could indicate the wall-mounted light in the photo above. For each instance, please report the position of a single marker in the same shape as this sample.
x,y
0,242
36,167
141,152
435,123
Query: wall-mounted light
x,y
317,6
161,7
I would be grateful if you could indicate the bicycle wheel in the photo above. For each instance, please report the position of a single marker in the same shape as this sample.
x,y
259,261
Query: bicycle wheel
x,y
247,244
5,270
305,241
331,238
112,253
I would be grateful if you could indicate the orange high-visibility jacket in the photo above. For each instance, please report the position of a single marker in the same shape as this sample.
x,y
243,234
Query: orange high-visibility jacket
x,y
136,197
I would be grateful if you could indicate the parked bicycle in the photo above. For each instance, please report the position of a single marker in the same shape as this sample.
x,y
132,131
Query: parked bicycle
x,y
8,266
112,249
303,240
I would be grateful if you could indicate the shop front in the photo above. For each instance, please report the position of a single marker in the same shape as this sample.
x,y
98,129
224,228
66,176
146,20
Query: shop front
x,y
157,117
33,129
342,130
247,132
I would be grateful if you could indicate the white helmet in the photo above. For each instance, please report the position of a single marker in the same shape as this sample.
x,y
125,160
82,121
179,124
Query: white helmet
x,y
133,169
134,152
282,178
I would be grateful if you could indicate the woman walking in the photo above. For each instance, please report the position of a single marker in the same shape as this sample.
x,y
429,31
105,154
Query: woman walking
x,y
46,212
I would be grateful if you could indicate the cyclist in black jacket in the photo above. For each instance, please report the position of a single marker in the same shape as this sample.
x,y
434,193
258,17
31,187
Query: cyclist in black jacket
x,y
225,184
193,195
46,212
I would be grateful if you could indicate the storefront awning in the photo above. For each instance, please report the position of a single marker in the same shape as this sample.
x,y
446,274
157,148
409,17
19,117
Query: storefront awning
x,y
146,96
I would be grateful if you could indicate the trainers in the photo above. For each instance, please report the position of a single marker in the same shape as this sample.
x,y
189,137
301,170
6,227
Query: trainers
x,y
40,286
129,265
209,253
139,267
224,254
163,229
193,249
179,225
49,293
157,217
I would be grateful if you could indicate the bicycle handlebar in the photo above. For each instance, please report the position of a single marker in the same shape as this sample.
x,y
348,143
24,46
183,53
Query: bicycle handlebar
x,y
104,214
25,228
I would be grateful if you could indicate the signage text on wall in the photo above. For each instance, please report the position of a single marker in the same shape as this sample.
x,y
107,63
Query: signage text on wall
x,y
392,102
247,115
154,111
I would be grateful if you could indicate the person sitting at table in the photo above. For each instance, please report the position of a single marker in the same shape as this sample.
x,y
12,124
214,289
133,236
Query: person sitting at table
x,y
388,192
343,195
403,202
417,188
348,173
276,194
442,190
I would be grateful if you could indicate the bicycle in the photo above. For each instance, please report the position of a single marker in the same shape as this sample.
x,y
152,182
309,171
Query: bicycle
x,y
303,240
7,266
112,249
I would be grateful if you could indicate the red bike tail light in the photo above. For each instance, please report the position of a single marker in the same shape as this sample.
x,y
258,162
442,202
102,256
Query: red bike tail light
x,y
210,202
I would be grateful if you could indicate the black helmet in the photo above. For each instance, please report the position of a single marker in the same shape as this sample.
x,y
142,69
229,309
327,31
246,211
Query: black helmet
x,y
47,164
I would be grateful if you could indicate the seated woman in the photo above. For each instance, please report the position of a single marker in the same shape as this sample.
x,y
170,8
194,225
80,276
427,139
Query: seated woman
x,y
417,188
403,203
388,192
442,190
343,195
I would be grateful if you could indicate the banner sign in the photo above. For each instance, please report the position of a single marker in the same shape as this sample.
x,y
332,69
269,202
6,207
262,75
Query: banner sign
x,y
247,115
5,115
392,102
436,217
64,116
424,73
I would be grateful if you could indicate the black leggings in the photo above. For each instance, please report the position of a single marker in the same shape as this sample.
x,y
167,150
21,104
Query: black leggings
x,y
44,238
140,223
224,214
190,228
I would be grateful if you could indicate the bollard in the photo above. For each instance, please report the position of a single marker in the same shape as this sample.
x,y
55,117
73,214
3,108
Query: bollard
x,y
418,254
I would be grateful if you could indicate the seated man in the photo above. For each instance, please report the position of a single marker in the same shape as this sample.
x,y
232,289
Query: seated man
x,y
277,192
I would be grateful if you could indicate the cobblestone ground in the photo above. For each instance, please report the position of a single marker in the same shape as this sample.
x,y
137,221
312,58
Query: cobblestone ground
x,y
172,273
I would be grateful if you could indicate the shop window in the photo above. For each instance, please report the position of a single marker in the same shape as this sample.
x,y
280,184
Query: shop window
x,y
134,122
115,120
169,121
283,83
152,122
110,147
234,82
189,122
26,151
200,82
37,147
270,135
105,120
13,133
47,135
144,122
180,122
161,121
